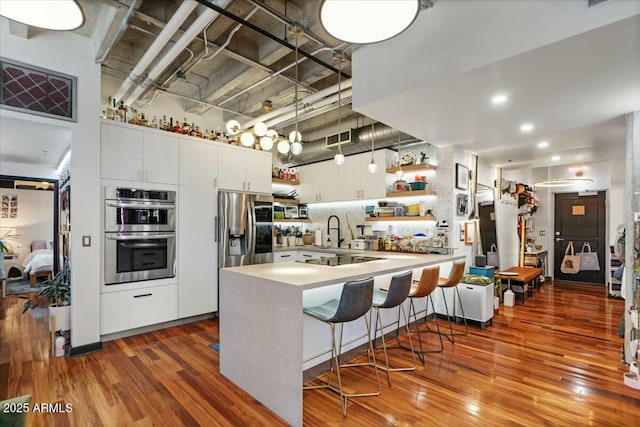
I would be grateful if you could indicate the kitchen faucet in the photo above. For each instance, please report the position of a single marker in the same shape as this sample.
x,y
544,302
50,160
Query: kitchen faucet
x,y
338,228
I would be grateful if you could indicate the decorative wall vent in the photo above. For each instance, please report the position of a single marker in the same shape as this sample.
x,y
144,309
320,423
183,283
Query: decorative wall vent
x,y
35,90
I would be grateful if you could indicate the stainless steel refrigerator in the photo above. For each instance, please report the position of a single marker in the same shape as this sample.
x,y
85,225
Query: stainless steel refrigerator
x,y
246,229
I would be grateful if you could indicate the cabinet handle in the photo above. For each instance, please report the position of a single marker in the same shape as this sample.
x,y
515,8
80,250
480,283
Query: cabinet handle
x,y
215,229
142,295
215,182
307,255
248,185
285,256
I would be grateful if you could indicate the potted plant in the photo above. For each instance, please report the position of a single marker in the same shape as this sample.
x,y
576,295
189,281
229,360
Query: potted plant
x,y
57,291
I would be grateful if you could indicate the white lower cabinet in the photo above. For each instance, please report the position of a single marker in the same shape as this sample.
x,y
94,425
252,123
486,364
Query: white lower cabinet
x,y
125,310
284,256
305,255
477,302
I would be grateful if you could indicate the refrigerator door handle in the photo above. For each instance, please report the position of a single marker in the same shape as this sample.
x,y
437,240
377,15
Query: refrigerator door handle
x,y
215,228
251,229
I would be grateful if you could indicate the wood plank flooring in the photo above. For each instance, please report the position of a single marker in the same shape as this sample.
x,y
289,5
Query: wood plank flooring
x,y
552,361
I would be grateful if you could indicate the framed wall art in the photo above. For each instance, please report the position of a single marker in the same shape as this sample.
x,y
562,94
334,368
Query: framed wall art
x,y
462,177
462,201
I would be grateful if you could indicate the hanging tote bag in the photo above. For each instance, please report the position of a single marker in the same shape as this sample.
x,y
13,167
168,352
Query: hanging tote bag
x,y
571,261
492,256
588,260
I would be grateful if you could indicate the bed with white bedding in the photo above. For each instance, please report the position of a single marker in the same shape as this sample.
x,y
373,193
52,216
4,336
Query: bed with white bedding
x,y
38,262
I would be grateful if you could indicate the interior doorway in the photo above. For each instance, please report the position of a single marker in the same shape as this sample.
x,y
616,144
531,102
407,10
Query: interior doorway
x,y
579,219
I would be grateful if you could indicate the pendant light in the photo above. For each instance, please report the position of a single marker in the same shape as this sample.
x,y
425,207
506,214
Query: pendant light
x,y
373,167
339,157
399,173
295,137
61,15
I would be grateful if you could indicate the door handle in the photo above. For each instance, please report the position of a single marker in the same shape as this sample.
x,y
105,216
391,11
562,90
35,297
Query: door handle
x,y
558,239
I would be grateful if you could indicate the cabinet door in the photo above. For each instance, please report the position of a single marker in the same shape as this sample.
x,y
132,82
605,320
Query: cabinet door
x,y
231,168
309,187
198,164
120,152
258,167
197,251
329,181
160,162
284,256
372,185
349,178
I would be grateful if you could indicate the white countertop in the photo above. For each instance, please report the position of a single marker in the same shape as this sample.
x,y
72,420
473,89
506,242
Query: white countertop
x,y
309,276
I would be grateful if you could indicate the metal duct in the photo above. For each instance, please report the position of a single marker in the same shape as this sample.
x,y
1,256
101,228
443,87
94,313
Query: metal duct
x,y
316,151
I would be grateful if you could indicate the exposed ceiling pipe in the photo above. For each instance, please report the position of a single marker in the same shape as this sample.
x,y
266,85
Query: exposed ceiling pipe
x,y
163,38
272,75
200,23
116,36
317,151
283,119
331,90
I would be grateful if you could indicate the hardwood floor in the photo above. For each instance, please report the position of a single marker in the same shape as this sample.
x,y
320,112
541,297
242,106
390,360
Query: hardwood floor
x,y
553,361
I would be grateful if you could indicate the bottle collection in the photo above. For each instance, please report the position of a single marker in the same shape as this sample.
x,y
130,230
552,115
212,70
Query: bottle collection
x,y
121,113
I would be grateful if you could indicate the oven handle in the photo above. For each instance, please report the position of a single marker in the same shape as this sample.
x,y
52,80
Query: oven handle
x,y
142,245
140,205
139,237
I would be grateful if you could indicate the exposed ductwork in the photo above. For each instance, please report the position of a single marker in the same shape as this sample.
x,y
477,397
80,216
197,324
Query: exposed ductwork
x,y
317,151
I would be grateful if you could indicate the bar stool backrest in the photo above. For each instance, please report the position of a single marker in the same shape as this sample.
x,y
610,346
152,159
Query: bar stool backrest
x,y
398,290
355,301
455,276
428,281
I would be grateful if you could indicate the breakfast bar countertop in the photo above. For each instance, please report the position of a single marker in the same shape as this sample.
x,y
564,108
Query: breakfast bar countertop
x,y
308,276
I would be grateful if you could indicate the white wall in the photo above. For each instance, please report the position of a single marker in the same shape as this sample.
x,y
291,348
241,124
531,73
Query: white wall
x,y
71,54
34,220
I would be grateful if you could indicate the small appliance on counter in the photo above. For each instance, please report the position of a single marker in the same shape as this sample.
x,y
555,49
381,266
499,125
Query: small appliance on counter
x,y
303,212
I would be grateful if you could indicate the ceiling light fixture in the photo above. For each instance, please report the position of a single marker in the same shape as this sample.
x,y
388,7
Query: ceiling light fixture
x,y
339,157
373,167
499,99
362,21
295,137
543,144
562,182
555,158
60,15
526,127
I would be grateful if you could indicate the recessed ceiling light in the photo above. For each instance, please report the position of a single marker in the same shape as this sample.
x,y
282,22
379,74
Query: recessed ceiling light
x,y
543,144
526,127
555,158
499,99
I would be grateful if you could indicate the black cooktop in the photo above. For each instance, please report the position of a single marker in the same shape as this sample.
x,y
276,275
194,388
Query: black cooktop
x,y
340,260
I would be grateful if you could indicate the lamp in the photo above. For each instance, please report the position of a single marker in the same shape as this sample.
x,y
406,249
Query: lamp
x,y
562,182
295,137
373,167
48,14
361,21
339,157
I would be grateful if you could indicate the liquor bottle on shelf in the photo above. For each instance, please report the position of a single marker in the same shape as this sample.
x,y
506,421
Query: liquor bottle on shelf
x,y
192,129
186,129
177,127
154,123
142,121
111,109
122,112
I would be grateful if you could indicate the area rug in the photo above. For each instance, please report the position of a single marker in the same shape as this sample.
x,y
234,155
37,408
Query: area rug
x,y
215,346
22,287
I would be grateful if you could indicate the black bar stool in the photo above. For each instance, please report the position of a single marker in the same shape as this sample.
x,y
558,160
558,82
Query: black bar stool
x,y
394,296
354,303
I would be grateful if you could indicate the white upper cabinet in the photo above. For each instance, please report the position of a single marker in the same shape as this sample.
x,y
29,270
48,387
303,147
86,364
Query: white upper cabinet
x,y
198,163
140,155
243,169
318,182
372,185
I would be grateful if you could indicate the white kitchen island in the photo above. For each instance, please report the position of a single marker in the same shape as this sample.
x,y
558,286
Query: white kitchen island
x,y
264,337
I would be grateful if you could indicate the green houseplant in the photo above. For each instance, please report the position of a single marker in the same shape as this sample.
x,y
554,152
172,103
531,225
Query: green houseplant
x,y
57,291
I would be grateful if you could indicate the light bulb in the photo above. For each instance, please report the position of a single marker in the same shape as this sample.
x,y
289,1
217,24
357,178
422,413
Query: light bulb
x,y
247,139
295,136
260,129
266,143
283,146
296,148
399,173
339,159
233,127
373,167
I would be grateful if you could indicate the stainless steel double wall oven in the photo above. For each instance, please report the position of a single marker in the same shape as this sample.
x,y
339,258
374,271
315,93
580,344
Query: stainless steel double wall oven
x,y
140,234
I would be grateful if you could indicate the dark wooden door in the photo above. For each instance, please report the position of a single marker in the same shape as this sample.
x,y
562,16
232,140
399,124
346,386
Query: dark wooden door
x,y
487,215
580,219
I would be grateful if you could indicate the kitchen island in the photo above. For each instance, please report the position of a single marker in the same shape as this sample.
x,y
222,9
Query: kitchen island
x,y
265,340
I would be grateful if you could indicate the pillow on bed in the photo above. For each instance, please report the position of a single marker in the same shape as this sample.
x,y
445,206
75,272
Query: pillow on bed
x,y
38,244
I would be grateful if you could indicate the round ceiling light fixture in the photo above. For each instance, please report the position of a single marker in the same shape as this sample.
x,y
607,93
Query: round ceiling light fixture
x,y
60,15
562,182
377,20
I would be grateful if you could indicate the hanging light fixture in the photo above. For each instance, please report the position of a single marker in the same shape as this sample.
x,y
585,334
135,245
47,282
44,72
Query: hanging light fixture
x,y
61,15
373,167
339,157
295,137
399,173
377,20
